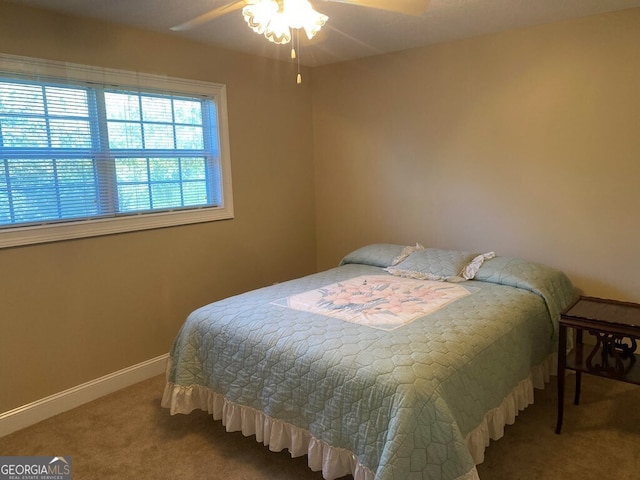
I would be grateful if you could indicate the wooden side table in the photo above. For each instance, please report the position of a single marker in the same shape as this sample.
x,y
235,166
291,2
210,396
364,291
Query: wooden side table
x,y
616,326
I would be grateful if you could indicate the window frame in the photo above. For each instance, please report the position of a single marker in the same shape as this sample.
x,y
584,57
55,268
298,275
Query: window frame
x,y
46,70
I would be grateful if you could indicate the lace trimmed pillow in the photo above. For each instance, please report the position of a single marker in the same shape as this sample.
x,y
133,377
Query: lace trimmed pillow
x,y
440,265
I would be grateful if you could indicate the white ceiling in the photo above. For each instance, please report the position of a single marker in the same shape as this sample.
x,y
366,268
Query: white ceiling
x,y
351,32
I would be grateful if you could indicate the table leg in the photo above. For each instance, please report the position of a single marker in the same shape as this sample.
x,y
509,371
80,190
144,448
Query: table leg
x,y
562,363
576,398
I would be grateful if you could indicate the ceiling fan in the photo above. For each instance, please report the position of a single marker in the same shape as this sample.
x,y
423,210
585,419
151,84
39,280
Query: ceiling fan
x,y
406,7
275,19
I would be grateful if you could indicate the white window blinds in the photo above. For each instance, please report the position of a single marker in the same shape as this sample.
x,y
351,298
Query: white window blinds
x,y
77,151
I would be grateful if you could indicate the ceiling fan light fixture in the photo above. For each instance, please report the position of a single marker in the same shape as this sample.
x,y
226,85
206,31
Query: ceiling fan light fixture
x,y
274,19
258,14
302,15
278,30
312,28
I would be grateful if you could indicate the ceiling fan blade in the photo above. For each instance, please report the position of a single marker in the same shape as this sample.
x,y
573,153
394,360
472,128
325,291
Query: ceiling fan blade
x,y
210,15
406,7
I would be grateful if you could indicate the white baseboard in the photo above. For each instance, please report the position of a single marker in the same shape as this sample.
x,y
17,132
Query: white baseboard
x,y
44,408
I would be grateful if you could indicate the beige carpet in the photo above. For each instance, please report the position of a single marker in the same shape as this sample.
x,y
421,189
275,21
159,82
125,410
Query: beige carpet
x,y
127,435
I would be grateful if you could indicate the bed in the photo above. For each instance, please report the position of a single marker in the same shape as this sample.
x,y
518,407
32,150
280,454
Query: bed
x,y
400,363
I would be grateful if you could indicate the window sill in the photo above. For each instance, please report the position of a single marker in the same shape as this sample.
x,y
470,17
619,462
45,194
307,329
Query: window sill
x,y
18,236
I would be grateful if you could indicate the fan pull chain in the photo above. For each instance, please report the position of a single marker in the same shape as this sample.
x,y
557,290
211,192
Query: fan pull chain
x,y
297,56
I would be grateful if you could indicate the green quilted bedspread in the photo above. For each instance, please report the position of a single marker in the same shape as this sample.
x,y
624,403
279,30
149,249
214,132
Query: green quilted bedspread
x,y
401,400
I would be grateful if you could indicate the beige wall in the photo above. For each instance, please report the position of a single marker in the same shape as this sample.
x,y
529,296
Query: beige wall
x,y
524,142
76,310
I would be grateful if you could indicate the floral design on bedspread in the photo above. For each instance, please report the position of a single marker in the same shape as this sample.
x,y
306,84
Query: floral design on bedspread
x,y
377,301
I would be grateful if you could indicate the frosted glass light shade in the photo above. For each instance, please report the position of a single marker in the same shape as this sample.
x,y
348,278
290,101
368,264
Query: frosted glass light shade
x,y
275,19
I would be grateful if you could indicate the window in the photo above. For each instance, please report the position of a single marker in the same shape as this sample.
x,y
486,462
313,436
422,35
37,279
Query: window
x,y
81,157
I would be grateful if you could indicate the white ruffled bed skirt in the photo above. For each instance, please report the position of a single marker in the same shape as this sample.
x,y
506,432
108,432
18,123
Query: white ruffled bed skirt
x,y
492,427
338,462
